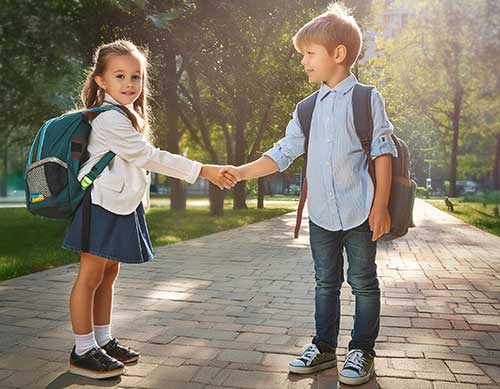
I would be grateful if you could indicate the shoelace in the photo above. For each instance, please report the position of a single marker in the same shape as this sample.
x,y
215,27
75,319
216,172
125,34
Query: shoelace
x,y
310,352
355,360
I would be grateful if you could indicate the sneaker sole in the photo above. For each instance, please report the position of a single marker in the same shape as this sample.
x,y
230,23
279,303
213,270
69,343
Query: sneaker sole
x,y
356,381
131,360
93,374
312,369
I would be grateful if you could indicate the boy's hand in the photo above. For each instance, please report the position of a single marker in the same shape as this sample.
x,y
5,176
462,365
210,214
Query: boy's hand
x,y
216,176
380,222
232,172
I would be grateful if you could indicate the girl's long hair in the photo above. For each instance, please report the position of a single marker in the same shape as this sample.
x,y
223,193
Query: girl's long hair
x,y
93,96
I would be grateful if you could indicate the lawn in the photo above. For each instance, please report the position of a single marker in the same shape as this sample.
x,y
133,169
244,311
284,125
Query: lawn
x,y
29,244
471,212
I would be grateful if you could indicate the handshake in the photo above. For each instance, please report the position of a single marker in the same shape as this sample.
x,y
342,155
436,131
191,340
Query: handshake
x,y
225,177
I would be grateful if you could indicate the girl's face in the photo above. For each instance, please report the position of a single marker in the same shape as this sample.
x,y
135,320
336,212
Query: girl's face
x,y
122,78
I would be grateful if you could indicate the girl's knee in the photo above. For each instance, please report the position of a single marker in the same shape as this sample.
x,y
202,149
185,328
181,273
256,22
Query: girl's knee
x,y
90,281
111,272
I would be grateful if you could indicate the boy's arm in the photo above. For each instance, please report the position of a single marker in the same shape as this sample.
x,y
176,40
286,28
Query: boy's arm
x,y
380,220
278,158
262,167
382,151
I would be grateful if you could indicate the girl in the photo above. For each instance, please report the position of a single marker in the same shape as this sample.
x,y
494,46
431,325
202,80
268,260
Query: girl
x,y
118,231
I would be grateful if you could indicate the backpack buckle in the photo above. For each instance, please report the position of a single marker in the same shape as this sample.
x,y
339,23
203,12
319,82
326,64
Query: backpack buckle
x,y
86,182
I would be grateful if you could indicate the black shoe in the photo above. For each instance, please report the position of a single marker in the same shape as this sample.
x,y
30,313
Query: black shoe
x,y
95,363
358,368
123,354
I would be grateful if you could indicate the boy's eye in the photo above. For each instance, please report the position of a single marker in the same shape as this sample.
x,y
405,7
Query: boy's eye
x,y
120,76
136,77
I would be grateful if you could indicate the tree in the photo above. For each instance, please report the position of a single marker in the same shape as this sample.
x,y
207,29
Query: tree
x,y
430,62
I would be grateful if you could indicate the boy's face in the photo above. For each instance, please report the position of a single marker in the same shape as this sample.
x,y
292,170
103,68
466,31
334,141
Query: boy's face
x,y
318,63
122,78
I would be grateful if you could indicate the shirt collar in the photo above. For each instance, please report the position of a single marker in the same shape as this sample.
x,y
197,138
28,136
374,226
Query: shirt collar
x,y
109,100
342,87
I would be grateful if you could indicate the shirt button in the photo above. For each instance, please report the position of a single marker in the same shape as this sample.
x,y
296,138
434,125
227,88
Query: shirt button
x,y
331,194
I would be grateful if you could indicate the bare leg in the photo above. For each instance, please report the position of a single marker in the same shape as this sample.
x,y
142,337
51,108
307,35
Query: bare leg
x,y
103,299
81,302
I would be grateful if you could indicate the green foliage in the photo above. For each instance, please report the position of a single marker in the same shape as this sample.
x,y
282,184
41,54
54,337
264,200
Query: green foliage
x,y
429,74
472,213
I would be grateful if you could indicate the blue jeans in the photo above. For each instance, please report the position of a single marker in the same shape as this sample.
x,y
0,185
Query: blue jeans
x,y
327,251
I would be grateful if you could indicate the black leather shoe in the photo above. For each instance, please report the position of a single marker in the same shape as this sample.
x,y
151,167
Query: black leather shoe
x,y
95,363
123,354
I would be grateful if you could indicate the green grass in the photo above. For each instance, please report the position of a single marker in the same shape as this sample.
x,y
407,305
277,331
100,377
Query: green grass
x,y
29,244
472,213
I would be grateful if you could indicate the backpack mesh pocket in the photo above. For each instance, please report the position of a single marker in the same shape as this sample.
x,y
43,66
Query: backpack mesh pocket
x,y
46,178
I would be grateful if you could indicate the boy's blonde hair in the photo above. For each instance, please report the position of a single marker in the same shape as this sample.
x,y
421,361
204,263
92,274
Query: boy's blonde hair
x,y
335,27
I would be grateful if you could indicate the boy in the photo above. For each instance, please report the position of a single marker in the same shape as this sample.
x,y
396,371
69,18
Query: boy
x,y
345,209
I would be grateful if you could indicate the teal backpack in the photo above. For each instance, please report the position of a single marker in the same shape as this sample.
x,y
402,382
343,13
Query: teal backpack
x,y
55,157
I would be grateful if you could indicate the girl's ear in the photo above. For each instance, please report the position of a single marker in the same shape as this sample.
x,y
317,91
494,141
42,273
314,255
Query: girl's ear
x,y
100,82
340,53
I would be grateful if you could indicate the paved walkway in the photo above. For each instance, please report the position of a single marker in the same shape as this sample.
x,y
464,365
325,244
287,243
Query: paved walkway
x,y
229,311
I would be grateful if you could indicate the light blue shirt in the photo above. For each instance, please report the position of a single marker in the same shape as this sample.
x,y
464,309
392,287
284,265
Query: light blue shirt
x,y
340,190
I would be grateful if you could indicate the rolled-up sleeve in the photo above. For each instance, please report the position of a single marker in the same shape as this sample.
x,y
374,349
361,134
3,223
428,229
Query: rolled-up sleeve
x,y
382,142
290,147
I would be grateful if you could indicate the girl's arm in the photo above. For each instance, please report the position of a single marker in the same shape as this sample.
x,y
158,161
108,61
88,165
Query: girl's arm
x,y
115,131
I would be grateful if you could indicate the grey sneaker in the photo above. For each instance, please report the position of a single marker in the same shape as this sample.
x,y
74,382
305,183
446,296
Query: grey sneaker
x,y
312,360
358,368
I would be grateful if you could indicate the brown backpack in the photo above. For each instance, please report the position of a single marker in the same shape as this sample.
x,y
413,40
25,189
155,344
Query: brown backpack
x,y
403,188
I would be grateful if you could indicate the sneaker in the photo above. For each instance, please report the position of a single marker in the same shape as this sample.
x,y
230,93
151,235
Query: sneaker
x,y
312,360
117,351
95,363
358,368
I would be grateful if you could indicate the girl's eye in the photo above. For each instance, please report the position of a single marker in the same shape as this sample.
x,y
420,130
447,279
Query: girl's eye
x,y
120,76
136,77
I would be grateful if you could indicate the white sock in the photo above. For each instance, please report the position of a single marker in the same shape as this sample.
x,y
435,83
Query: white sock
x,y
103,334
84,343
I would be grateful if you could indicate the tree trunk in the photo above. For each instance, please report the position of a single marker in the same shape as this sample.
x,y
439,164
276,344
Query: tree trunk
x,y
496,168
169,89
3,183
454,146
240,188
216,198
261,193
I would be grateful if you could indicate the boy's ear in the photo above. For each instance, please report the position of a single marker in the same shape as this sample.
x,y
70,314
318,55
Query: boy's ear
x,y
340,53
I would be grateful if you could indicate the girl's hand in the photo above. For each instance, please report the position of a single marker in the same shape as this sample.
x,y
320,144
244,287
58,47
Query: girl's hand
x,y
233,173
380,222
215,175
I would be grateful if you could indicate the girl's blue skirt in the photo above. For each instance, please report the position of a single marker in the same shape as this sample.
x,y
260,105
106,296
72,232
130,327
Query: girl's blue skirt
x,y
123,238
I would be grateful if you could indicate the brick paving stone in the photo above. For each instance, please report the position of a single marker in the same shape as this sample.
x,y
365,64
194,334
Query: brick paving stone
x,y
473,379
426,365
399,383
453,385
240,356
248,379
458,367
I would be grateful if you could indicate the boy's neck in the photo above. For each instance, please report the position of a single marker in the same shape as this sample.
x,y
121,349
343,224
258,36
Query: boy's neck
x,y
338,76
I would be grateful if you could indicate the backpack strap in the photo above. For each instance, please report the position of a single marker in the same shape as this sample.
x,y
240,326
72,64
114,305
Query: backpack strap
x,y
363,120
89,178
97,169
304,112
